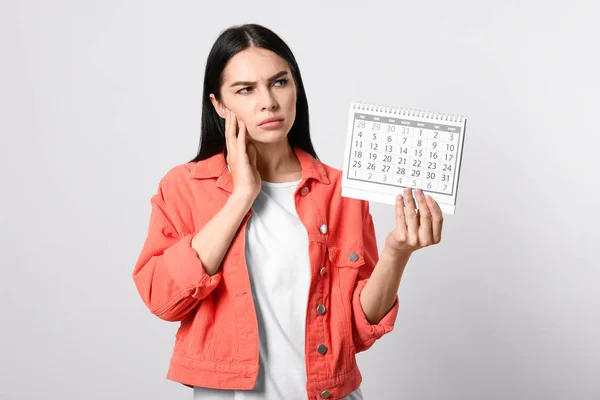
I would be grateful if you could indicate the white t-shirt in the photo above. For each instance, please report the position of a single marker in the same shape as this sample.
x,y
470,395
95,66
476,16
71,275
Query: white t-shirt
x,y
279,269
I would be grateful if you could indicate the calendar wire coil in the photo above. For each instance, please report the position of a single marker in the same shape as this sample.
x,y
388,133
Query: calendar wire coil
x,y
361,105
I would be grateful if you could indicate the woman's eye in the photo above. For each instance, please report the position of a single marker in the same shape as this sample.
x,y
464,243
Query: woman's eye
x,y
283,82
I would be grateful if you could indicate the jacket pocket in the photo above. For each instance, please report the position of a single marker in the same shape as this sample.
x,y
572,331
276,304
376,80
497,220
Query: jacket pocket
x,y
347,256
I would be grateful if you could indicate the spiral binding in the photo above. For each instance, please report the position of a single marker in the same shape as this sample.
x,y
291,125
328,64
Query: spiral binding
x,y
360,105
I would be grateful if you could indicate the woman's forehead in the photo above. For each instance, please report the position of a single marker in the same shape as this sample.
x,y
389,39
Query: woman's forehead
x,y
254,64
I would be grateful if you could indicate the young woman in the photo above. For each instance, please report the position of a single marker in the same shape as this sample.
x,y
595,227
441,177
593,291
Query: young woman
x,y
275,278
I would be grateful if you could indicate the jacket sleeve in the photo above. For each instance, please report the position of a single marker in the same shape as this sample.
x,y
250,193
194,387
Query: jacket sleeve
x,y
364,334
168,274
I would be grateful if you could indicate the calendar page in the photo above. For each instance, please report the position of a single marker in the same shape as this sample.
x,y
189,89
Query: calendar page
x,y
389,149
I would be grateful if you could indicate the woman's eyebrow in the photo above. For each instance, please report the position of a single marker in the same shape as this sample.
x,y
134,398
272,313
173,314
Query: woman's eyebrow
x,y
247,83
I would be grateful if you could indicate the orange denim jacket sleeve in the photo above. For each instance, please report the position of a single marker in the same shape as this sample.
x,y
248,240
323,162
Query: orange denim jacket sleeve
x,y
168,274
364,334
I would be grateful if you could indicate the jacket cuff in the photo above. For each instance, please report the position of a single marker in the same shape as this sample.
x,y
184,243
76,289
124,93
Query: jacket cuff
x,y
187,270
365,333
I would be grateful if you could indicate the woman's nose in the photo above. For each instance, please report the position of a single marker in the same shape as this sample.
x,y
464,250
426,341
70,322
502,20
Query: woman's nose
x,y
268,101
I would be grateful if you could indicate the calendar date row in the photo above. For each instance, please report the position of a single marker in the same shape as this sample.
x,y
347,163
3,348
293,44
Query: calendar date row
x,y
403,145
406,134
402,164
441,186
403,154
409,172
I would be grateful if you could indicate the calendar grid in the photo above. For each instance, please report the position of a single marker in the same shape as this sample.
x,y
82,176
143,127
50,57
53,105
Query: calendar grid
x,y
401,152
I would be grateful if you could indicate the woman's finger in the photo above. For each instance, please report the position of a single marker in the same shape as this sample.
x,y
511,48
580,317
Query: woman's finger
x,y
411,217
231,130
400,217
437,219
425,229
228,140
241,139
252,154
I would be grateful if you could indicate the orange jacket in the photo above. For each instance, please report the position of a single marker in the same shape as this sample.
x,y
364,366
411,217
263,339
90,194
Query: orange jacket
x,y
217,344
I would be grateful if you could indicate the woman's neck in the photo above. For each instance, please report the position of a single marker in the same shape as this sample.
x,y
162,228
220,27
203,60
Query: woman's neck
x,y
277,162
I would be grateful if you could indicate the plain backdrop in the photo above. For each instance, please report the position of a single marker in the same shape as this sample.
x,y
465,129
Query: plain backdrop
x,y
99,99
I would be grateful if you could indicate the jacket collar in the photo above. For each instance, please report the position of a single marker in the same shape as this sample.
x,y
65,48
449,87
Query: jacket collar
x,y
216,167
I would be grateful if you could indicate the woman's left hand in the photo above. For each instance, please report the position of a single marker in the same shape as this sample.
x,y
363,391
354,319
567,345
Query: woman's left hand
x,y
415,229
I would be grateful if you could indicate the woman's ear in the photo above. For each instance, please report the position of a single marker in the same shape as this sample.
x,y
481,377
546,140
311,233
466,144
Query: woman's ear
x,y
219,108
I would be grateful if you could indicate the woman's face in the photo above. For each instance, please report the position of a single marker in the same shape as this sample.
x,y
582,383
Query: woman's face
x,y
258,84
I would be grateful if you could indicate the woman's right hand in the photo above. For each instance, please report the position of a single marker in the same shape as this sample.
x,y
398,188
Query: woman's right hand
x,y
241,157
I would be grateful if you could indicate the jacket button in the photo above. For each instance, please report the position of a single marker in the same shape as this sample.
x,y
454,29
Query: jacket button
x,y
321,309
323,229
322,271
353,256
304,191
322,349
325,394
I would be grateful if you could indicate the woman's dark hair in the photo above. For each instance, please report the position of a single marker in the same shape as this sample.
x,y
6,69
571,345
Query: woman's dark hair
x,y
230,42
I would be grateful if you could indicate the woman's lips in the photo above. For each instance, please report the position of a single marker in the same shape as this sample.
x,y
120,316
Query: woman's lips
x,y
271,125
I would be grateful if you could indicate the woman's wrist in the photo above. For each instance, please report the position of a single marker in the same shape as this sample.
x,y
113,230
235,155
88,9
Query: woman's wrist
x,y
241,201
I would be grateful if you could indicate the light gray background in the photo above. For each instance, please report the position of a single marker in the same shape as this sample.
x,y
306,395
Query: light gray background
x,y
100,99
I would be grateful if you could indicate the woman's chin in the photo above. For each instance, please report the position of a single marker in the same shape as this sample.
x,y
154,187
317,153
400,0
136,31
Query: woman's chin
x,y
266,137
